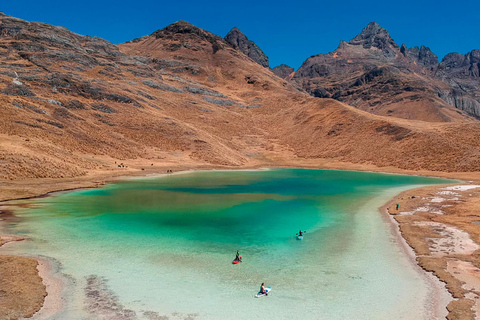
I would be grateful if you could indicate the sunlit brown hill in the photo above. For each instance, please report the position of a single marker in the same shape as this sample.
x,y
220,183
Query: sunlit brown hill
x,y
73,105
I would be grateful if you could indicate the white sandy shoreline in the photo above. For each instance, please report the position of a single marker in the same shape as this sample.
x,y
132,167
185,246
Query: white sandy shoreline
x,y
437,308
54,301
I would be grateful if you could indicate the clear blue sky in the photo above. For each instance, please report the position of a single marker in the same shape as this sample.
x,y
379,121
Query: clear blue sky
x,y
288,32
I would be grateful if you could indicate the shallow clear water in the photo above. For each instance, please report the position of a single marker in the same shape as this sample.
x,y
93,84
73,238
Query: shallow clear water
x,y
164,246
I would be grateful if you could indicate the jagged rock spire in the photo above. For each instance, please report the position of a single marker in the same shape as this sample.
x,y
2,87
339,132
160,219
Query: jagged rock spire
x,y
373,35
239,41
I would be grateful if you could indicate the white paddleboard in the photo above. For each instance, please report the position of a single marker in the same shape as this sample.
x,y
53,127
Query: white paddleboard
x,y
259,295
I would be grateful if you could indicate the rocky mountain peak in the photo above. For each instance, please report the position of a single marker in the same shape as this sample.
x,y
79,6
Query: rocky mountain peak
x,y
456,65
454,62
283,71
182,27
373,35
427,57
423,55
238,40
186,29
474,56
235,30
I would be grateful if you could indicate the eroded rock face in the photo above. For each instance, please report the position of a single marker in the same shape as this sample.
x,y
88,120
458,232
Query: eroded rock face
x,y
373,35
455,65
184,35
239,41
462,98
422,55
55,43
184,28
283,71
462,73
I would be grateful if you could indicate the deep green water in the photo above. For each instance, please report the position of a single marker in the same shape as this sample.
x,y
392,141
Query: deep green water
x,y
165,245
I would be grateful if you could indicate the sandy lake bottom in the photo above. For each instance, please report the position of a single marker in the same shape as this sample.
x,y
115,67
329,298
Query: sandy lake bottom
x,y
162,248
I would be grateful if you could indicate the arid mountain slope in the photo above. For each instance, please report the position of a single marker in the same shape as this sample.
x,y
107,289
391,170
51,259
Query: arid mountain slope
x,y
73,105
373,73
71,95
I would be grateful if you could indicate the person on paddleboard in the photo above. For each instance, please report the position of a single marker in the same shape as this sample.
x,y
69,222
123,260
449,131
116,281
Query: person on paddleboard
x,y
238,257
262,289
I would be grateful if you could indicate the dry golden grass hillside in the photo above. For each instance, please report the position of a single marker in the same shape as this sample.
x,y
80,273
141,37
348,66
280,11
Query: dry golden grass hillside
x,y
74,105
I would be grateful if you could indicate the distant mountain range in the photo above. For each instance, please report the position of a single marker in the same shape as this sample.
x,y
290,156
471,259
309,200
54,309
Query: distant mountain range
x,y
373,73
398,80
74,105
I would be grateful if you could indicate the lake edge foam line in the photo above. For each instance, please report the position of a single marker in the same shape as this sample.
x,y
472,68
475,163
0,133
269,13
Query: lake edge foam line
x,y
48,273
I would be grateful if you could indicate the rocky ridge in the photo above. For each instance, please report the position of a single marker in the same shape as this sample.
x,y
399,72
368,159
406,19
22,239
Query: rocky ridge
x,y
284,71
423,56
239,41
462,73
373,73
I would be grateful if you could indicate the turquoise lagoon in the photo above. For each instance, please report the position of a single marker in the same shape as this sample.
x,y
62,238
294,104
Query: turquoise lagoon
x,y
161,248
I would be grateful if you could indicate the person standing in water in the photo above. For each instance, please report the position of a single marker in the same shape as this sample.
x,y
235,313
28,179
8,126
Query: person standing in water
x,y
300,233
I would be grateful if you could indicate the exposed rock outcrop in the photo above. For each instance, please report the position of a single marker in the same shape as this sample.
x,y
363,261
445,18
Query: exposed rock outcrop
x,y
462,73
462,100
284,71
184,35
373,35
373,73
239,41
186,30
455,65
422,55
